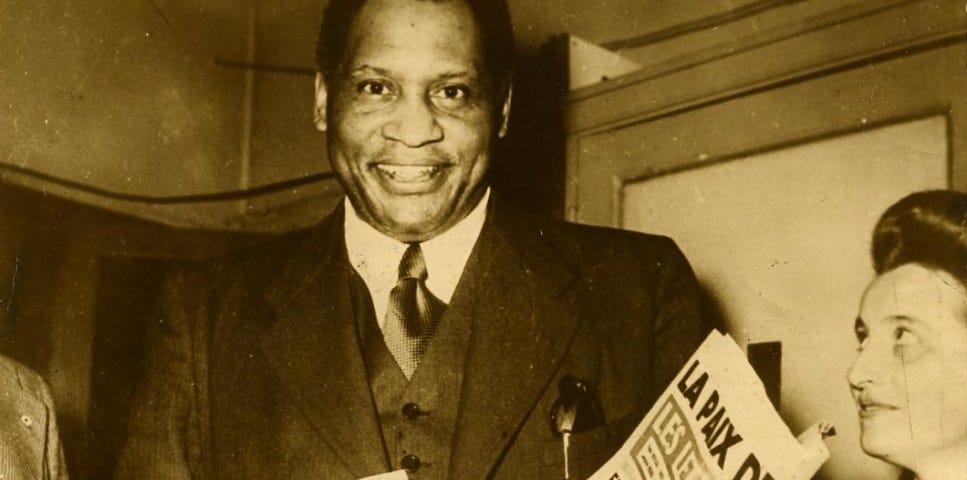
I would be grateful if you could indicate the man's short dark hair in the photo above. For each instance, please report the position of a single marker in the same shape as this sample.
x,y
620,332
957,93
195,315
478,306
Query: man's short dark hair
x,y
493,21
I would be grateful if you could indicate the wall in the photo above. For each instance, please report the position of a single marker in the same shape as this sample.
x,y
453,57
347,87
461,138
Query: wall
x,y
155,108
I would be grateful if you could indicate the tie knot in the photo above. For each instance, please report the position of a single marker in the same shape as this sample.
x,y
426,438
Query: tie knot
x,y
412,265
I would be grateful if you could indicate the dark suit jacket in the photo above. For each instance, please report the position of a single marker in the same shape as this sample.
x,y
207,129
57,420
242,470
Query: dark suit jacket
x,y
256,372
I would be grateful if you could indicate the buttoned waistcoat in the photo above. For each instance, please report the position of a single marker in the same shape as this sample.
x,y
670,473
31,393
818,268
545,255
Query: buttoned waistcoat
x,y
256,370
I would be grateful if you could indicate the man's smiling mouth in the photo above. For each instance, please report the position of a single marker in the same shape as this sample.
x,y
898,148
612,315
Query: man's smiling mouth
x,y
409,173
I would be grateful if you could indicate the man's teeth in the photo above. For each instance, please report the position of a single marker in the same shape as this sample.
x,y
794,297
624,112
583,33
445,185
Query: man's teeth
x,y
408,173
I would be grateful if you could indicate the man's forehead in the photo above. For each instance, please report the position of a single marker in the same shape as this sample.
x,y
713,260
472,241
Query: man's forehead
x,y
389,36
391,17
442,73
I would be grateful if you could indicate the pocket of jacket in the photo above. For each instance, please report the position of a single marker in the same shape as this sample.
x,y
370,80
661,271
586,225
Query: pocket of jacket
x,y
588,450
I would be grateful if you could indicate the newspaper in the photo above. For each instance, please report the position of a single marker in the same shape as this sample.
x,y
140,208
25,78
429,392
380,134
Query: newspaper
x,y
715,422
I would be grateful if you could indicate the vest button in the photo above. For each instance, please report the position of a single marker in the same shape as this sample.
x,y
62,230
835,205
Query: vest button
x,y
411,411
411,463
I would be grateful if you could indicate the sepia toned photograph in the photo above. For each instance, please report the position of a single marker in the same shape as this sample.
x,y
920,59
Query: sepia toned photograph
x,y
483,239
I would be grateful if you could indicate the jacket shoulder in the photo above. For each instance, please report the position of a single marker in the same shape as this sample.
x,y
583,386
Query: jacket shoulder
x,y
15,376
596,244
261,258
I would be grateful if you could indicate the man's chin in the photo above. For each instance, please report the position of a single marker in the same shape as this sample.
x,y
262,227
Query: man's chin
x,y
412,226
415,232
415,218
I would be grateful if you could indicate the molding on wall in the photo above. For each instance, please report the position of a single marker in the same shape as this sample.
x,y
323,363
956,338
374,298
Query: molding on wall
x,y
601,162
736,14
849,37
627,177
265,209
851,69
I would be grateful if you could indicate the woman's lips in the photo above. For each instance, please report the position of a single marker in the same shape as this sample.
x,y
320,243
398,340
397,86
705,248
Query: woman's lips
x,y
869,407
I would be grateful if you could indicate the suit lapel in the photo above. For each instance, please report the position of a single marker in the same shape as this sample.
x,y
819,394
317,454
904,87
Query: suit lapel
x,y
523,324
313,348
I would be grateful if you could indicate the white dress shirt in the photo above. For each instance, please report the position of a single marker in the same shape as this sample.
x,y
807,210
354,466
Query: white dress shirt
x,y
376,257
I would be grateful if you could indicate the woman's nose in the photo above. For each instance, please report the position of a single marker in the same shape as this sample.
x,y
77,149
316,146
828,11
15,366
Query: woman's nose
x,y
867,368
413,124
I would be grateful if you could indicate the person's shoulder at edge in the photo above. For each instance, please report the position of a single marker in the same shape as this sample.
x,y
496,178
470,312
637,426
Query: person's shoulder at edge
x,y
16,376
24,387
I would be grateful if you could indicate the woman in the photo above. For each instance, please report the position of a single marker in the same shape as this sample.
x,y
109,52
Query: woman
x,y
910,377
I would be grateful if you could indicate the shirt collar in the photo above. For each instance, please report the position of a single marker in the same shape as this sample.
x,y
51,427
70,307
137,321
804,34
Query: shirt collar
x,y
376,257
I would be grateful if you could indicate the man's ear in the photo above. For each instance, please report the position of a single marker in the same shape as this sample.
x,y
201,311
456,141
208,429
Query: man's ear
x,y
505,113
319,115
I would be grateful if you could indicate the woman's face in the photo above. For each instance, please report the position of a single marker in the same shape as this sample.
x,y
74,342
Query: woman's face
x,y
910,377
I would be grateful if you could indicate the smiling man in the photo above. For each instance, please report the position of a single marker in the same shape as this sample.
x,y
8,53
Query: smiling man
x,y
425,327
414,116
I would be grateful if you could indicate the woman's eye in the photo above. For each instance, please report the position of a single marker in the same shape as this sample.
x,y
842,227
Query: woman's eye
x,y
907,345
905,337
861,334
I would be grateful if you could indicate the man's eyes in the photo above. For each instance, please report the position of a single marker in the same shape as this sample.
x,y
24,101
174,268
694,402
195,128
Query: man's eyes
x,y
447,97
452,92
451,97
373,88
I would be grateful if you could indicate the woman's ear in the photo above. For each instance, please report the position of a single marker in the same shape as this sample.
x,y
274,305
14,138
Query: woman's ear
x,y
505,113
319,115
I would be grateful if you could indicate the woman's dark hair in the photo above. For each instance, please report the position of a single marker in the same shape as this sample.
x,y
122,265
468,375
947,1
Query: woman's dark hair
x,y
493,21
927,228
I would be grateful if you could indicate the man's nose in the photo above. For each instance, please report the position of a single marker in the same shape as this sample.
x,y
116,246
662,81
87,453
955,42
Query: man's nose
x,y
413,124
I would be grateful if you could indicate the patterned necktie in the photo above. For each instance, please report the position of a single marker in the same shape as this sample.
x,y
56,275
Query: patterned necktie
x,y
413,314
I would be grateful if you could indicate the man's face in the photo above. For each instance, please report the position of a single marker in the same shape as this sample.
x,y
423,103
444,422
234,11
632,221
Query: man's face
x,y
412,117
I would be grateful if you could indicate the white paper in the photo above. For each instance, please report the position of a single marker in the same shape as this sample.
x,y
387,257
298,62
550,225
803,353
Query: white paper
x,y
715,422
394,475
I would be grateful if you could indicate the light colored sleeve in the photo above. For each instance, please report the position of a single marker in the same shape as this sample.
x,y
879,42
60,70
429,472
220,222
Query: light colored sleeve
x,y
29,440
56,468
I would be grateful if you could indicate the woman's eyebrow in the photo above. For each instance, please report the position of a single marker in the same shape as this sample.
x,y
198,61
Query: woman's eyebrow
x,y
902,319
913,322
